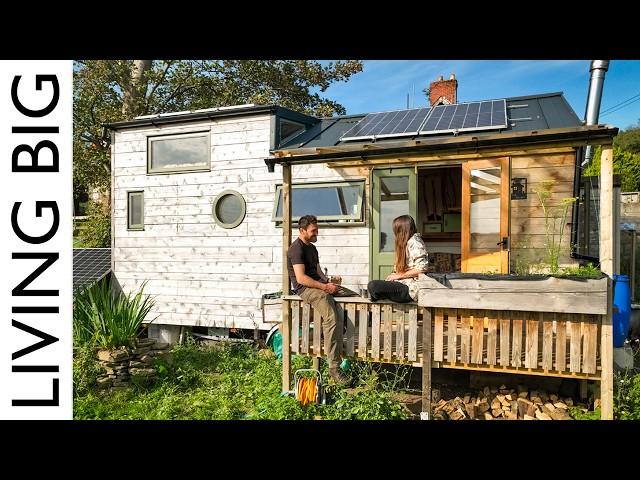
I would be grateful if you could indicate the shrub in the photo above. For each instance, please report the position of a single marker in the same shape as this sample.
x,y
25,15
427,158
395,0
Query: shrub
x,y
96,230
85,370
106,318
626,397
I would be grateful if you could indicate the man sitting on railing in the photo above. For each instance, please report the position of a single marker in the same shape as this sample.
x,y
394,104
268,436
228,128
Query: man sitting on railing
x,y
308,281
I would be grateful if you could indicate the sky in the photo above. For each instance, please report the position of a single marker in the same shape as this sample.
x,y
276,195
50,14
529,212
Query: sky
x,y
383,84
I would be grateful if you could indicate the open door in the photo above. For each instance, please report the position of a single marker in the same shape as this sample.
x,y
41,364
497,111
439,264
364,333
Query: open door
x,y
485,216
393,194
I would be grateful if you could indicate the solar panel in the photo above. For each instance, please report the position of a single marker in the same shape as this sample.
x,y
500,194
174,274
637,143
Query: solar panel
x,y
488,115
399,123
90,265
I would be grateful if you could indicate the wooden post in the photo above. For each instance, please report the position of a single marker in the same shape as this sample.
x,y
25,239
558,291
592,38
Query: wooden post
x,y
426,364
607,236
606,358
607,204
286,242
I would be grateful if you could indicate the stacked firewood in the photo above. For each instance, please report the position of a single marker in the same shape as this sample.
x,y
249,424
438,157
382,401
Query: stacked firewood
x,y
493,403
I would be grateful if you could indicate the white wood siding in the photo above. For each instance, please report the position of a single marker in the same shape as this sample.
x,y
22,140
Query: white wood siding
x,y
202,274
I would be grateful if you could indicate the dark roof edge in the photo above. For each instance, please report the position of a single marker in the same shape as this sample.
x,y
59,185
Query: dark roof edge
x,y
468,142
198,116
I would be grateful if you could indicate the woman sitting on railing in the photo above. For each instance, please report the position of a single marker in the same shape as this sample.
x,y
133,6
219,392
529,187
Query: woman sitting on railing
x,y
411,260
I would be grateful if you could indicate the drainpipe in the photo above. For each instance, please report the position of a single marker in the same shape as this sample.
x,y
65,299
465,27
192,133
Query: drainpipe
x,y
598,70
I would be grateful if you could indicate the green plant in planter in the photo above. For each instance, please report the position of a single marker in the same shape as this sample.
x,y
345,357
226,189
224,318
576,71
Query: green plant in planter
x,y
555,220
108,319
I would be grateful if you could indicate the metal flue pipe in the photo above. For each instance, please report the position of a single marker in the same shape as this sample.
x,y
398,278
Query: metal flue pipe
x,y
598,70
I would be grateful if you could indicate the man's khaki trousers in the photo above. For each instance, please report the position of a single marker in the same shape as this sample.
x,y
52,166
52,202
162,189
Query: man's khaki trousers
x,y
324,304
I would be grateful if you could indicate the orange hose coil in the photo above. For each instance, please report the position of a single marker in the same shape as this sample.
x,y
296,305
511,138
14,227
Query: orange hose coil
x,y
307,390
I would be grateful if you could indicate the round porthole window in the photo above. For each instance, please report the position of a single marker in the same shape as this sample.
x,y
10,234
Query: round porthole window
x,y
229,209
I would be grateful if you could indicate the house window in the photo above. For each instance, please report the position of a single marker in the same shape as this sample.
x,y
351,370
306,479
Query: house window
x,y
179,153
229,209
135,210
337,203
289,130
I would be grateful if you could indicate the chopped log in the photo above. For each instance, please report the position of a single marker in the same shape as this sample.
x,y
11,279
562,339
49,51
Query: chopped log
x,y
514,405
471,410
509,397
522,389
488,416
523,407
561,405
483,407
486,391
545,410
542,416
537,400
466,399
496,412
543,396
550,406
553,398
560,414
568,402
435,395
529,417
440,415
457,415
523,394
531,410
495,404
512,416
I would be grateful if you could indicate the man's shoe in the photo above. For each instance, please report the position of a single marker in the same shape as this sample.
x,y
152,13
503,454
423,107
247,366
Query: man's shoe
x,y
339,378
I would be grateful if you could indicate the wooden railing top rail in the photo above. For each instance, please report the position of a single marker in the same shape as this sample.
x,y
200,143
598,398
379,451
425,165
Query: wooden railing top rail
x,y
352,300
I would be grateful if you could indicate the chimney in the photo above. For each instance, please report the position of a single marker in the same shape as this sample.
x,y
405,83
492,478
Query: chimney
x,y
598,70
443,92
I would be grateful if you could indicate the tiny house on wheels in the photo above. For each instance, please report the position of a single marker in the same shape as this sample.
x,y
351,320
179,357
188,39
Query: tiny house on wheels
x,y
198,216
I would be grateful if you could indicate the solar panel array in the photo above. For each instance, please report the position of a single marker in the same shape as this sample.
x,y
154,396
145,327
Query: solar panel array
x,y
90,265
491,114
388,124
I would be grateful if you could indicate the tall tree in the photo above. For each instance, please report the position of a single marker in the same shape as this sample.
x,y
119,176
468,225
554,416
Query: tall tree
x,y
109,91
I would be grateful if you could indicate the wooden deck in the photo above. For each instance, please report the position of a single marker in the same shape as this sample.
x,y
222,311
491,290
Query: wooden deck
x,y
538,343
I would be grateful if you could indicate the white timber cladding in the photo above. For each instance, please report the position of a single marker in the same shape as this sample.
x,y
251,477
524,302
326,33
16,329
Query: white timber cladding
x,y
200,273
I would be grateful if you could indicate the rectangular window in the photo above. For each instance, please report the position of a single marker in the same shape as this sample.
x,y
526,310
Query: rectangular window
x,y
179,153
135,210
337,203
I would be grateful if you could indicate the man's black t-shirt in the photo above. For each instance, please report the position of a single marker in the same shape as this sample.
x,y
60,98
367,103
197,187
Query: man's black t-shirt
x,y
301,253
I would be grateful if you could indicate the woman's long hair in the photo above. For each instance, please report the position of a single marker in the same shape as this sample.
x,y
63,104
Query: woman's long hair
x,y
403,228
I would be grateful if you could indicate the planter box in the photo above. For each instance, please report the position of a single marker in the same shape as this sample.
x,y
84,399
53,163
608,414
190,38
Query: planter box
x,y
271,310
536,293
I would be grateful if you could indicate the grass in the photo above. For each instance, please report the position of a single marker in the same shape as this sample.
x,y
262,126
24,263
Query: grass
x,y
238,382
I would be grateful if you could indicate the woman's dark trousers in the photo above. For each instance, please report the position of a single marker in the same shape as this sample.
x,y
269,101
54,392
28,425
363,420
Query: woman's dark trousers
x,y
384,290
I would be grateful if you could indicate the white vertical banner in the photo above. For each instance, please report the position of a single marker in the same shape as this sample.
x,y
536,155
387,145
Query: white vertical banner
x,y
36,210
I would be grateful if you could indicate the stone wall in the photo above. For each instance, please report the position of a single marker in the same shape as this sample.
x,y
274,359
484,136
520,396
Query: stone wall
x,y
120,365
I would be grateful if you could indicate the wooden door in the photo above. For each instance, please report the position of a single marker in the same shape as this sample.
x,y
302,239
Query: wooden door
x,y
393,194
485,216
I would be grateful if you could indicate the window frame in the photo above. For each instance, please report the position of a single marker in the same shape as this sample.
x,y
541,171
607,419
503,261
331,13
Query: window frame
x,y
286,139
130,225
221,195
355,220
166,171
